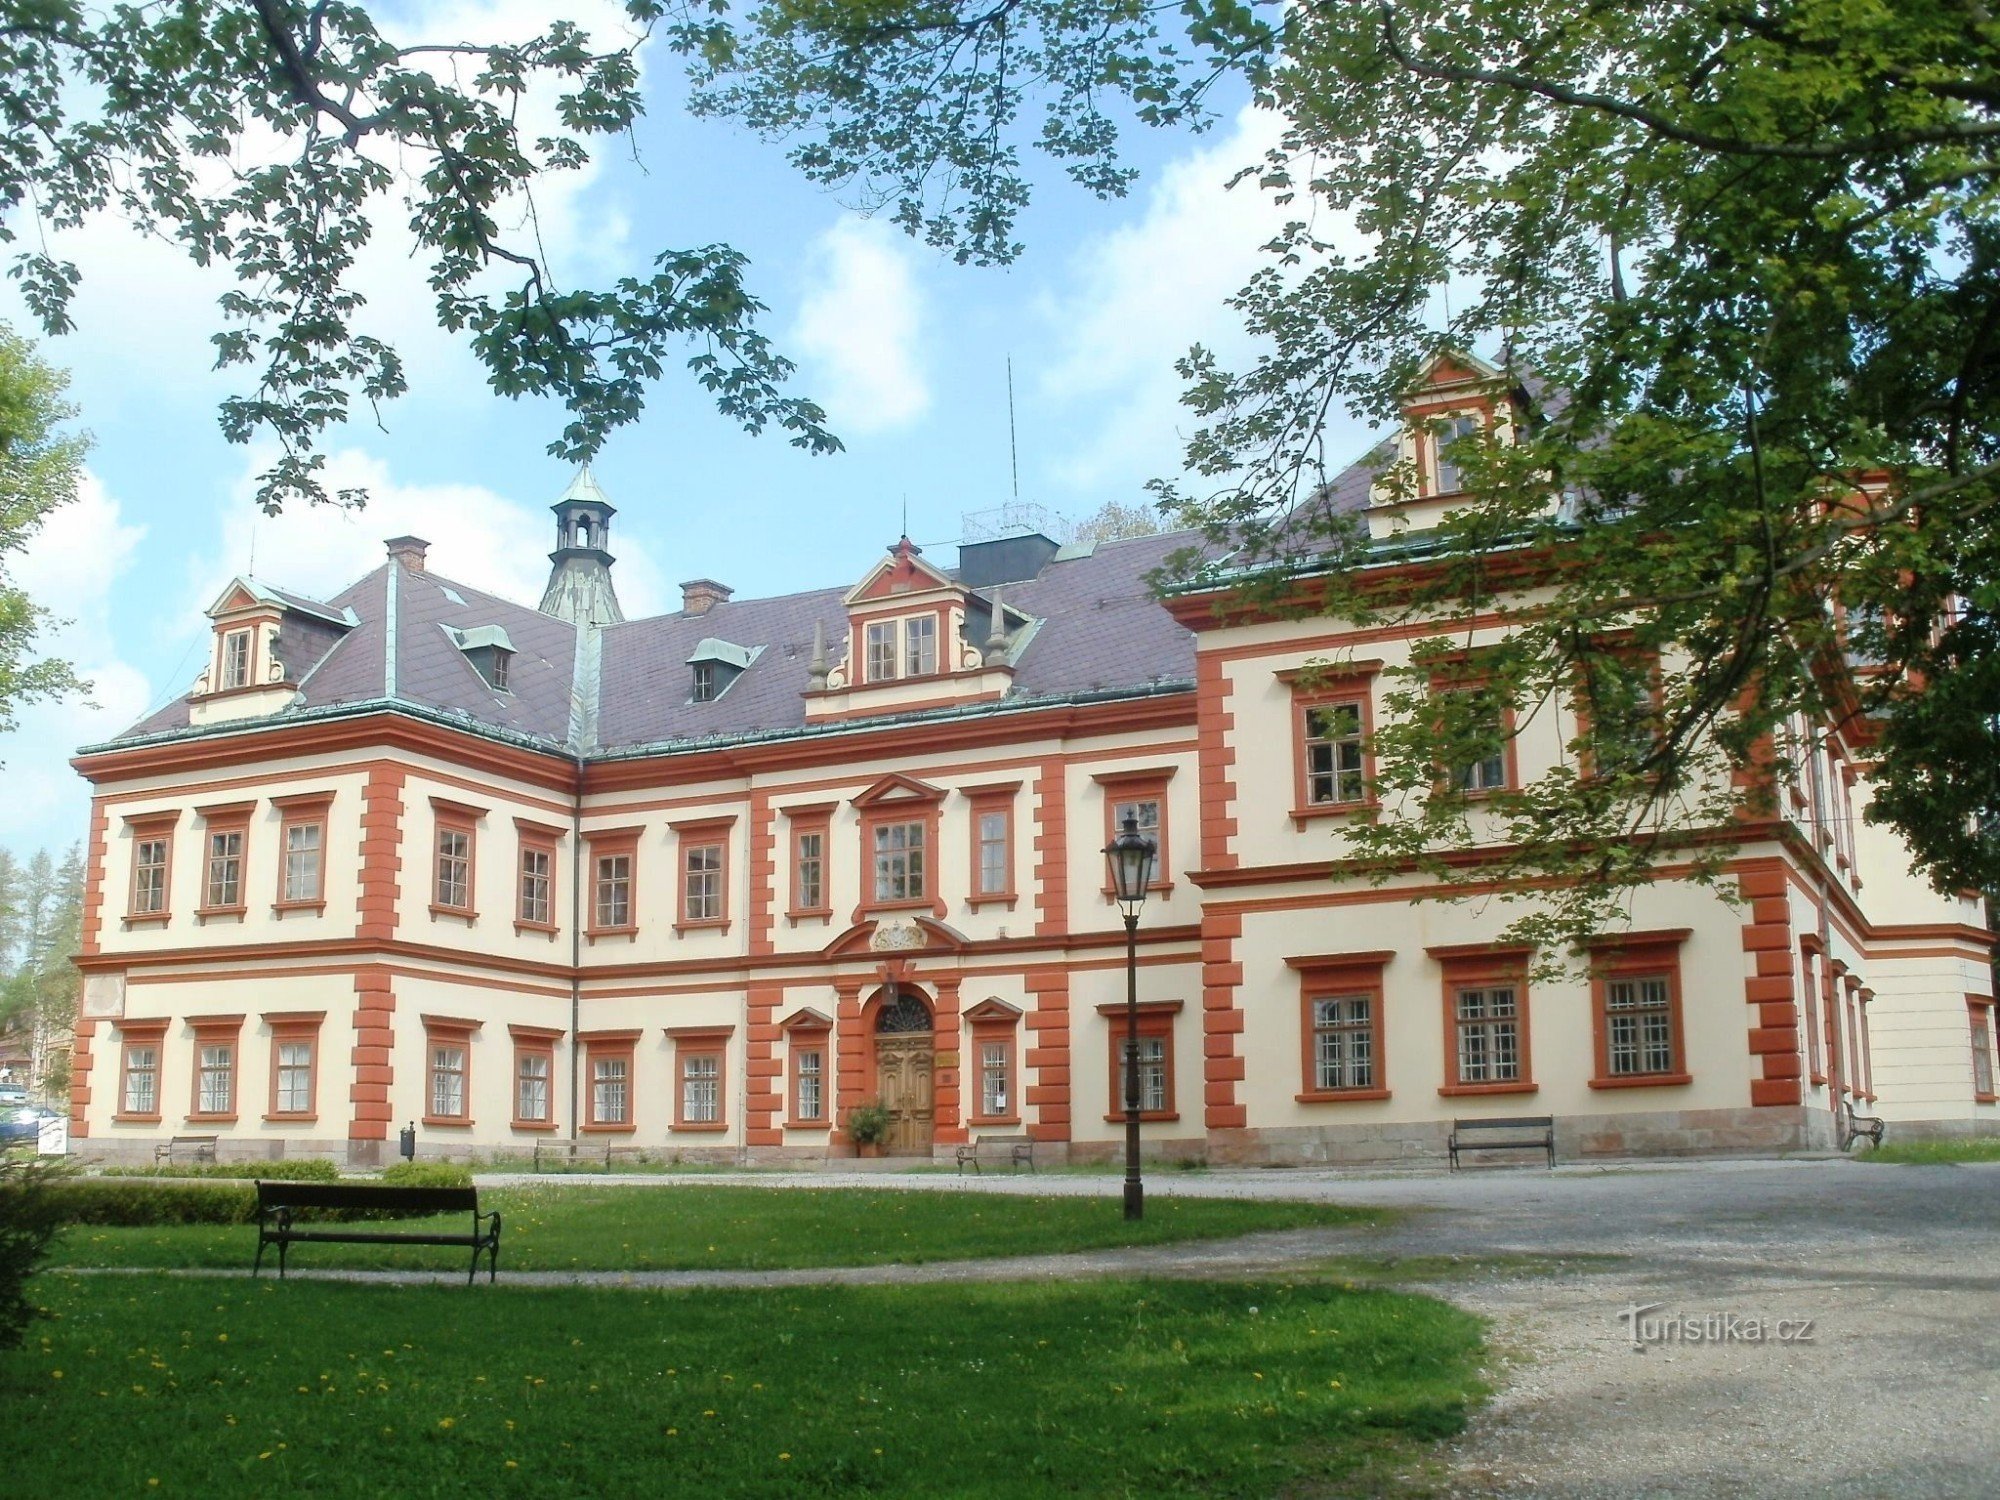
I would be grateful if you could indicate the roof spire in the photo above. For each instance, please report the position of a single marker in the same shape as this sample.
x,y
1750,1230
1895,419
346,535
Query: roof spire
x,y
996,638
580,588
818,669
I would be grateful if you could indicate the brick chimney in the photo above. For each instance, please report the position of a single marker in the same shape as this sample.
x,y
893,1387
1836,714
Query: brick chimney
x,y
409,551
700,595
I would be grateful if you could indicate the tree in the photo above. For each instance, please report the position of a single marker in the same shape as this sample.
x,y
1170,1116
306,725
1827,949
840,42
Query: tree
x,y
1741,263
39,991
272,137
1114,521
39,466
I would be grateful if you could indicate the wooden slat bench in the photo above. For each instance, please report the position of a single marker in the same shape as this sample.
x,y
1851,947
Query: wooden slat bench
x,y
197,1148
1506,1133
569,1156
1855,1127
279,1205
1017,1150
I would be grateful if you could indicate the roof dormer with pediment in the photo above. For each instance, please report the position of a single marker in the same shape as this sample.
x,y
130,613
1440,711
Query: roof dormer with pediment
x,y
916,638
264,643
1457,397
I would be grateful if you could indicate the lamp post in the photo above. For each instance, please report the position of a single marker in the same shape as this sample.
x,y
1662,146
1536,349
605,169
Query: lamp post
x,y
1131,858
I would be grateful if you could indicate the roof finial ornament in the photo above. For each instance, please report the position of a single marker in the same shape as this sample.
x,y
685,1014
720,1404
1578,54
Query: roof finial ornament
x,y
818,669
996,638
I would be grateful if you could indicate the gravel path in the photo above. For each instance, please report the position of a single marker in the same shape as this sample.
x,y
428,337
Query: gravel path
x,y
1896,1393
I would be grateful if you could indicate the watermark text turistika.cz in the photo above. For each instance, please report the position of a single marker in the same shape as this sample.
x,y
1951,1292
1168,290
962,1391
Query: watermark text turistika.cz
x,y
1648,1324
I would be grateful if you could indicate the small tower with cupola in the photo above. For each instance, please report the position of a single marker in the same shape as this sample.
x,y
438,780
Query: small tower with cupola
x,y
580,588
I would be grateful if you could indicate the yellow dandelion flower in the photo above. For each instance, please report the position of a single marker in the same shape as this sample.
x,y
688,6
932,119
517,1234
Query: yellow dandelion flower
x,y
784,1458
55,1374
512,1465
446,1423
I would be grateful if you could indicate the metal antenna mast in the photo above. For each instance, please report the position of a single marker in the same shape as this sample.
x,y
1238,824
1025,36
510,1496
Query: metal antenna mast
x,y
1013,441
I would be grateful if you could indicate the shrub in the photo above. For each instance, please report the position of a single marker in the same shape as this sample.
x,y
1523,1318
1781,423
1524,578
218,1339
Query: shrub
x,y
868,1124
292,1169
139,1204
29,1219
439,1174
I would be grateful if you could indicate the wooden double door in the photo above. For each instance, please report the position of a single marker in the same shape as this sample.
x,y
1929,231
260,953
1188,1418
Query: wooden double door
x,y
903,1072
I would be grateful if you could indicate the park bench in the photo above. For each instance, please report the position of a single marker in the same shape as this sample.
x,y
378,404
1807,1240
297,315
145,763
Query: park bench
x,y
197,1148
280,1205
568,1156
1853,1127
1507,1133
1016,1150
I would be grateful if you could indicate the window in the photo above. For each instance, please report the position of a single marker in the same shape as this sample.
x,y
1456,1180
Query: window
x,y
996,1096
537,886
810,826
214,1066
614,860
899,863
992,842
1618,712
448,1082
226,836
294,1063
1156,1060
152,862
1450,464
448,1050
1486,1020
141,1094
1638,1036
608,1064
809,1039
1477,731
302,863
1341,1036
1143,794
881,650
704,856
698,1069
1336,774
452,868
705,682
141,1045
1809,1004
534,1076
235,659
1980,1014
496,675
920,646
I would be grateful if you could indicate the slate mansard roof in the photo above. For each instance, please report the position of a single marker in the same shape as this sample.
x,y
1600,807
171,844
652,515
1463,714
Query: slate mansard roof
x,y
1094,629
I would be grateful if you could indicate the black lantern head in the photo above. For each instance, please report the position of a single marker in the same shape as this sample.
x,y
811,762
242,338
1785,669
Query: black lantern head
x,y
1130,856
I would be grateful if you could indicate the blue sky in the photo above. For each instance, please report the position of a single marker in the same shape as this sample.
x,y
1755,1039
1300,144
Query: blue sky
x,y
907,351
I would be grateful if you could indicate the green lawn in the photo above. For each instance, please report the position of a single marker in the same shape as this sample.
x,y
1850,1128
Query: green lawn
x,y
1933,1153
1103,1388
738,1228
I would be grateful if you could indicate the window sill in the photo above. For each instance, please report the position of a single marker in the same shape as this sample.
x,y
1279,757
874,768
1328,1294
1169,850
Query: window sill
x,y
280,908
984,1120
1643,1081
716,1128
464,914
808,1124
1145,1117
1008,899
228,1119
1339,1096
212,913
707,924
915,903
616,1129
147,919
1304,815
630,934
1818,1080
809,914
546,929
292,1119
1456,1090
1976,1098
1161,888
122,1118
543,1127
447,1122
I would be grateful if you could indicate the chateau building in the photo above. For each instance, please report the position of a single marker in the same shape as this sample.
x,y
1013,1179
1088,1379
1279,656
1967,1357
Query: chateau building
x,y
704,882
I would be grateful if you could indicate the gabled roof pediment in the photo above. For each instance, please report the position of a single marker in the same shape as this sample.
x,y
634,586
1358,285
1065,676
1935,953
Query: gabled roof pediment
x,y
805,1018
896,787
247,593
903,572
893,940
993,1008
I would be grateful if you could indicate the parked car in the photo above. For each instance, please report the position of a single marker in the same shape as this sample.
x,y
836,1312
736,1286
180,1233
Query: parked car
x,y
13,1093
22,1125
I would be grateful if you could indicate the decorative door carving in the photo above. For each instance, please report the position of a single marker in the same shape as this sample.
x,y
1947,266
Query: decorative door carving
x,y
903,1084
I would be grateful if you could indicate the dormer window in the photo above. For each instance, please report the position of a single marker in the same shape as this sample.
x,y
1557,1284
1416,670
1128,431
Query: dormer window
x,y
920,646
488,650
1446,434
705,687
906,647
235,659
716,665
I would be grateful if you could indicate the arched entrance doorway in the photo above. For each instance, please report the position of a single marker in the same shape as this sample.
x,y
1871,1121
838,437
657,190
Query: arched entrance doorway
x,y
905,1050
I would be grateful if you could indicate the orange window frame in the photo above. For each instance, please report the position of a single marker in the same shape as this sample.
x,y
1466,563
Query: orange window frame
x,y
700,1043
1332,976
1473,966
462,818
1156,1019
142,829
1631,655
984,802
214,1031
292,1028
533,1042
814,821
218,820
306,810
1636,955
600,845
609,1046
994,1023
134,1036
546,840
1979,1023
1122,788
809,1033
1809,956
700,835
448,1031
1510,763
923,815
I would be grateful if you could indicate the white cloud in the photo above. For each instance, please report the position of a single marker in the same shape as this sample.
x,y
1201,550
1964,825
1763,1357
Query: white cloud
x,y
1142,294
477,537
860,326
74,567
